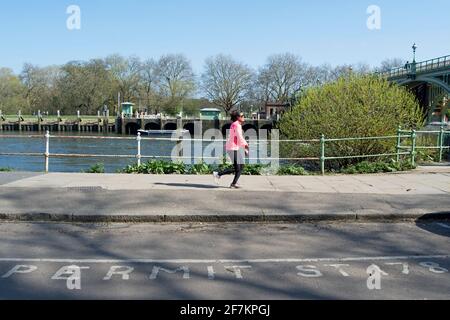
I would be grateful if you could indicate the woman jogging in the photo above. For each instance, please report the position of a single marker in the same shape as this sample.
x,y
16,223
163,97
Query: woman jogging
x,y
234,144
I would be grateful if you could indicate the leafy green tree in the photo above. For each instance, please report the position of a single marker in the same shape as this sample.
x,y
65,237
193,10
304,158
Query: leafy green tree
x,y
12,93
85,86
352,106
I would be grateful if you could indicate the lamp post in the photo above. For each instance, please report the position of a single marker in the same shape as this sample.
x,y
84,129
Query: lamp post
x,y
412,73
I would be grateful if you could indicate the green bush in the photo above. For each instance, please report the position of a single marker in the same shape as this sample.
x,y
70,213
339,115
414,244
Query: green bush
x,y
378,167
292,170
253,169
162,167
200,168
156,167
353,106
174,168
224,166
427,155
425,140
96,168
165,167
6,169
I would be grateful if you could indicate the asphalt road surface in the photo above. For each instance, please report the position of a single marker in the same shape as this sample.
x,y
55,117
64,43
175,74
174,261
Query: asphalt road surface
x,y
225,261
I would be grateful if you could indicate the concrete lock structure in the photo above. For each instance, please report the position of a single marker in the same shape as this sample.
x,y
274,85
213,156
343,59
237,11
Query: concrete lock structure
x,y
42,122
130,126
125,123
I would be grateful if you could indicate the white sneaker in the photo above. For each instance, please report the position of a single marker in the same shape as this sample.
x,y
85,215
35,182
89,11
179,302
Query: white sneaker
x,y
216,177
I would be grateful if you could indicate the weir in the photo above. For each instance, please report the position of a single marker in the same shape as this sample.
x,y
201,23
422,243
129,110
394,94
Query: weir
x,y
121,125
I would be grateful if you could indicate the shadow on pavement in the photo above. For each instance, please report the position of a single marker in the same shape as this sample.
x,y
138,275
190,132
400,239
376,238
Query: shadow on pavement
x,y
436,222
9,177
189,185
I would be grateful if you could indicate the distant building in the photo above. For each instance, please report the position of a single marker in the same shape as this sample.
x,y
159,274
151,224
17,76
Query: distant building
x,y
127,108
210,114
273,109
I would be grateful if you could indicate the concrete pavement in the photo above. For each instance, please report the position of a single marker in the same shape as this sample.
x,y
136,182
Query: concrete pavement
x,y
115,197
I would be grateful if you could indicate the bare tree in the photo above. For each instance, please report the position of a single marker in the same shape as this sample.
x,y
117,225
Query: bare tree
x,y
176,80
389,64
226,82
318,75
326,73
41,85
282,77
149,83
126,73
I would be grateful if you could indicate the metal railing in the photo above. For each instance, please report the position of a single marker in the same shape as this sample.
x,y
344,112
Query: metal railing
x,y
401,150
419,67
413,148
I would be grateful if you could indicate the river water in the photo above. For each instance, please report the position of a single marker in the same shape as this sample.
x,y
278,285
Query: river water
x,y
58,145
75,146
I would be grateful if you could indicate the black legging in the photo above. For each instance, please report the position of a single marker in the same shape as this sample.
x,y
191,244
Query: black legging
x,y
238,166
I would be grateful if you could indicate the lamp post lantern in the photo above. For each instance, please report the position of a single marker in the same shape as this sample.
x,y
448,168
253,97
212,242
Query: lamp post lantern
x,y
414,47
412,66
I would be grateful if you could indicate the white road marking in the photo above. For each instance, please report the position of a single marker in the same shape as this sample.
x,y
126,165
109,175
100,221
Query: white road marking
x,y
237,270
309,272
433,267
339,268
20,269
444,225
156,271
405,266
123,271
211,273
221,261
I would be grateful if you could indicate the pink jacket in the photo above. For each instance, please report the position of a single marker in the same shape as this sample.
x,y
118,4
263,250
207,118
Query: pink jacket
x,y
236,139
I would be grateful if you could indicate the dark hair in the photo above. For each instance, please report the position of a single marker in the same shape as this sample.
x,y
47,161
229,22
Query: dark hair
x,y
235,115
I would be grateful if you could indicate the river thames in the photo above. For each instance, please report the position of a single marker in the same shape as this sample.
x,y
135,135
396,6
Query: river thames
x,y
75,146
60,143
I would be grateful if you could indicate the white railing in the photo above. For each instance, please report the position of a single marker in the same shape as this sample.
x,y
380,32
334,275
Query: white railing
x,y
322,155
139,156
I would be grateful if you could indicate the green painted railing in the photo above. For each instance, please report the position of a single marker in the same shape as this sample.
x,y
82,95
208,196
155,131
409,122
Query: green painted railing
x,y
414,147
411,150
401,150
419,67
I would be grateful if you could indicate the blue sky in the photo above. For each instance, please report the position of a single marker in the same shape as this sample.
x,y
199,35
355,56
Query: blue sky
x,y
320,31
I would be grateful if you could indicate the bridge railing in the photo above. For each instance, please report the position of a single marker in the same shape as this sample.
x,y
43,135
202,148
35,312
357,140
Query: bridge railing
x,y
433,64
409,150
419,67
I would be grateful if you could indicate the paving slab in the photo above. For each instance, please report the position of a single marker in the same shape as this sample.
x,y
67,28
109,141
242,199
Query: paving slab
x,y
149,198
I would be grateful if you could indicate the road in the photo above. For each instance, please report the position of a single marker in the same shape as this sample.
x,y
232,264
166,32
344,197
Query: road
x,y
225,261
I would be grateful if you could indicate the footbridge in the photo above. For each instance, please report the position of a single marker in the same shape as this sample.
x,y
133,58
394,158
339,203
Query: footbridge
x,y
430,81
